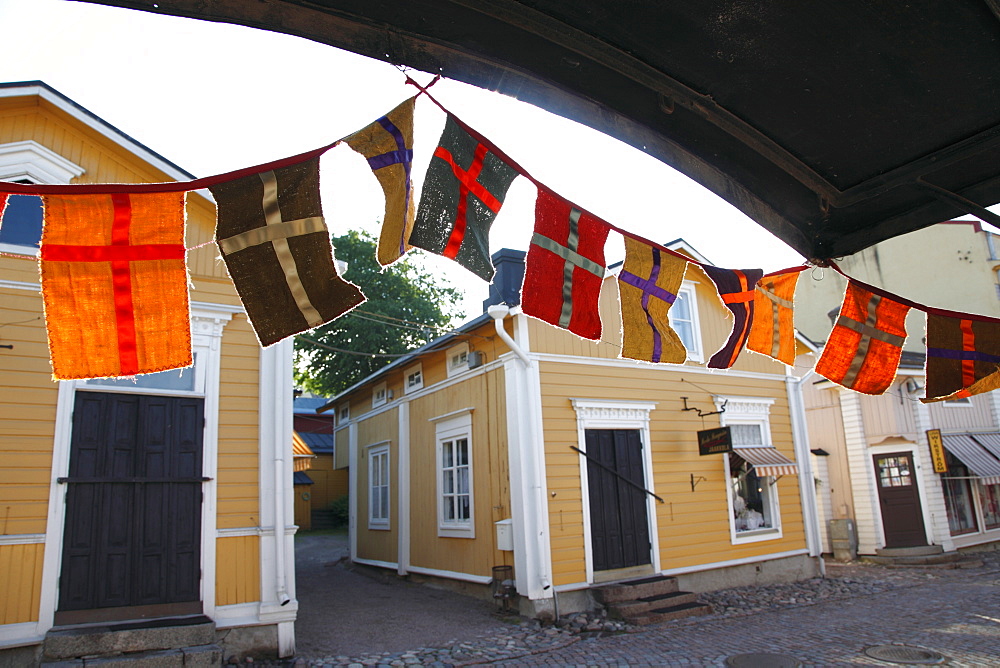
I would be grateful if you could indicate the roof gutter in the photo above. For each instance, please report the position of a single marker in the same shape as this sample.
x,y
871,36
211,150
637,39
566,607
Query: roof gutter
x,y
498,312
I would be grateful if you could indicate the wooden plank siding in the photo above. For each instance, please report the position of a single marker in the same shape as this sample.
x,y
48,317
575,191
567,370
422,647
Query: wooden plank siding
x,y
329,484
378,544
693,527
20,582
485,394
237,570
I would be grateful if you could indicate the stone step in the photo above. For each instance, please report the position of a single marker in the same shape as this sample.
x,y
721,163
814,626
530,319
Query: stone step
x,y
673,612
928,560
204,656
630,609
108,640
633,590
920,551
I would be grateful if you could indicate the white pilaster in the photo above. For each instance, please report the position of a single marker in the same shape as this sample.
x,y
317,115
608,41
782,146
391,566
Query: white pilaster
x,y
934,511
859,462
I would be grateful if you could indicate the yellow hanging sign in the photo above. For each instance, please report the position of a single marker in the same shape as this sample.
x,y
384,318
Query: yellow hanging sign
x,y
936,444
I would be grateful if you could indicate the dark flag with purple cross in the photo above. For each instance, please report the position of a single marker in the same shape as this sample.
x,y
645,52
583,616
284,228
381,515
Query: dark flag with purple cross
x,y
463,191
963,357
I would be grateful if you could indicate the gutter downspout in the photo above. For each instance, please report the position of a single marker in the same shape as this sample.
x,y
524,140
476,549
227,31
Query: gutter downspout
x,y
498,312
807,487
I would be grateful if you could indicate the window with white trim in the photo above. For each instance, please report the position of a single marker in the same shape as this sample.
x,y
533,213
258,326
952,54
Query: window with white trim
x,y
413,379
754,513
380,395
29,162
343,413
455,499
957,402
458,359
683,317
378,487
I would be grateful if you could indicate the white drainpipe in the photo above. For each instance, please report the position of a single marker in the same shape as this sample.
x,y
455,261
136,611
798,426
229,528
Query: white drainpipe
x,y
498,312
807,487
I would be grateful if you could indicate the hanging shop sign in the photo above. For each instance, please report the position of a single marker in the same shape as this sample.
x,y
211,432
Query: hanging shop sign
x,y
936,444
715,441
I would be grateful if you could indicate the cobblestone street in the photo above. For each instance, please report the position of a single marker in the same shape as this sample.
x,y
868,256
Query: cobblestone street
x,y
820,622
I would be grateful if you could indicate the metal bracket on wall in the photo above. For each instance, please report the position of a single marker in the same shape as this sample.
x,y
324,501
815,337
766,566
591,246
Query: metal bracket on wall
x,y
722,409
695,481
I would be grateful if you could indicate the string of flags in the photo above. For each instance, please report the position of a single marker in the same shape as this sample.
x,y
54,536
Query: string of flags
x,y
114,277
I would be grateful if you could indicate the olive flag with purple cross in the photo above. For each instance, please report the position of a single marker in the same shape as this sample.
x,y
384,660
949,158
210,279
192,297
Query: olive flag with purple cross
x,y
963,356
565,266
648,284
388,145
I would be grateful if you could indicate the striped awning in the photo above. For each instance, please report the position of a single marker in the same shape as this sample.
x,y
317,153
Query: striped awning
x,y
977,458
767,461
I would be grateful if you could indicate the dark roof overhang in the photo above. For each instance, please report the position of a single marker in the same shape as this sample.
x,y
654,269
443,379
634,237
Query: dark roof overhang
x,y
822,121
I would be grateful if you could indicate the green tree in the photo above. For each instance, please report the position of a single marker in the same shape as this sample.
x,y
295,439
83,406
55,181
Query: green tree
x,y
407,307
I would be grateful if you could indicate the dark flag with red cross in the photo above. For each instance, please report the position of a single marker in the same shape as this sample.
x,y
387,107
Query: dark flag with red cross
x,y
565,266
736,287
463,191
963,357
864,348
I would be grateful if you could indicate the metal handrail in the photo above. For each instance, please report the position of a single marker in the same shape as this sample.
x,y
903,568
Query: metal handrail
x,y
617,474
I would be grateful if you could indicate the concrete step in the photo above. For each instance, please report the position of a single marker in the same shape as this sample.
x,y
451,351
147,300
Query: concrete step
x,y
673,612
628,610
110,640
633,590
920,551
204,656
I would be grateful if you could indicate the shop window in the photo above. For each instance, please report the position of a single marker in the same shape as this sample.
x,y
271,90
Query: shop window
x,y
989,499
754,511
958,499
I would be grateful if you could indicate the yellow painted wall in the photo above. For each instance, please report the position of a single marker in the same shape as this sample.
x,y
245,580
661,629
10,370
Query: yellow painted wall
x,y
378,544
237,573
28,395
302,512
330,483
342,448
491,481
20,582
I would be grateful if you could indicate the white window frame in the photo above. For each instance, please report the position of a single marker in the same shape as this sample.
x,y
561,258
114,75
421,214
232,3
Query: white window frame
x,y
448,429
756,411
376,520
460,367
343,413
380,395
30,161
688,290
418,383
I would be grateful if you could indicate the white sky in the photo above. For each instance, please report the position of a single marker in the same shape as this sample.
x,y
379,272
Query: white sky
x,y
214,97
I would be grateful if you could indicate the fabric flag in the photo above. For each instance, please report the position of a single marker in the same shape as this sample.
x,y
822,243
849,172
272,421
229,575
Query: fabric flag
x,y
464,189
565,266
963,357
277,249
648,284
3,205
388,145
736,287
114,284
772,332
863,350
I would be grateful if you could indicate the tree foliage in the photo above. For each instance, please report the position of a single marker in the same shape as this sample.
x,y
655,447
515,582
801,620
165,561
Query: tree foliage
x,y
381,328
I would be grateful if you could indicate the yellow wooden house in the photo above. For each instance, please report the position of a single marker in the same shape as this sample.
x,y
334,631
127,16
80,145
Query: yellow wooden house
x,y
508,442
79,548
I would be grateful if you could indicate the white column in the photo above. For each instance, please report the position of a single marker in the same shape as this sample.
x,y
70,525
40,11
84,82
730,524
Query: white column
x,y
861,467
935,513
278,605
807,486
403,487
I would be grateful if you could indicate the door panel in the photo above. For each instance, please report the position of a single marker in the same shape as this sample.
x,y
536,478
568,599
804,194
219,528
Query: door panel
x,y
902,519
619,521
133,507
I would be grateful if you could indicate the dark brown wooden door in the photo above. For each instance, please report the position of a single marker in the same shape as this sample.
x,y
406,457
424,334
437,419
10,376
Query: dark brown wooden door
x,y
619,525
132,542
902,519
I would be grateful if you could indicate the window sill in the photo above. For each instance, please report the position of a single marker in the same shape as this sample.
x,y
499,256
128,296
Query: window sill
x,y
381,526
756,536
456,532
